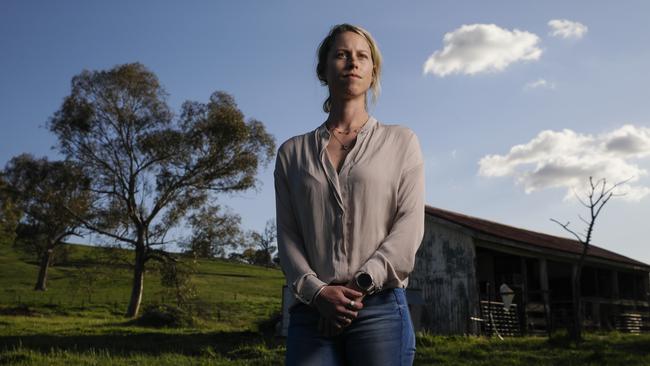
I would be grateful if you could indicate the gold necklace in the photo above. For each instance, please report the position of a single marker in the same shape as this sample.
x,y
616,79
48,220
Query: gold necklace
x,y
355,130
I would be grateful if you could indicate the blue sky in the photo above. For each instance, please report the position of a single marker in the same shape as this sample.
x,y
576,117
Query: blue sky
x,y
510,80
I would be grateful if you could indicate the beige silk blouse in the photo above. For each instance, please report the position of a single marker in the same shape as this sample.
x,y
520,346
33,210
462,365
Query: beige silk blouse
x,y
369,217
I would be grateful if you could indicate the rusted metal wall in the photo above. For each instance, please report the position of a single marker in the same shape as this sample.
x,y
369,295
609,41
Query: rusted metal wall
x,y
444,271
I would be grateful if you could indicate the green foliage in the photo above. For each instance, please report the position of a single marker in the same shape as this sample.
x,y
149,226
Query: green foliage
x,y
213,231
51,196
164,315
250,255
176,280
31,240
264,242
258,257
9,213
153,170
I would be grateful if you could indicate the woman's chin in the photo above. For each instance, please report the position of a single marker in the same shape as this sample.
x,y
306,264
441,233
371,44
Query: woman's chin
x,y
352,93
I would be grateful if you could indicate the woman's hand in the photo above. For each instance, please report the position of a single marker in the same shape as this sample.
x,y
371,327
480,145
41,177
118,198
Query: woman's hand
x,y
339,305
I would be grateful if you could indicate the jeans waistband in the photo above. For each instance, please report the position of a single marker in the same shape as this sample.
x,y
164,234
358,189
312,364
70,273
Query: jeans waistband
x,y
385,295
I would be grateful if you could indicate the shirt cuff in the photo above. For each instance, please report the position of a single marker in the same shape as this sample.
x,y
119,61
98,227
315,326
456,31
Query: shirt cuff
x,y
307,287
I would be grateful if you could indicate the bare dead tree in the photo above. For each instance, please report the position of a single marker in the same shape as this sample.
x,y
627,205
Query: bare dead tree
x,y
599,193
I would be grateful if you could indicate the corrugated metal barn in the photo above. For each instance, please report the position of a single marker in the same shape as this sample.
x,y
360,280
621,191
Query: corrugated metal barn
x,y
464,262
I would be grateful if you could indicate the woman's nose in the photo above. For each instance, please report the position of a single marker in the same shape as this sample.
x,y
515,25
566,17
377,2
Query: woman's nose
x,y
353,62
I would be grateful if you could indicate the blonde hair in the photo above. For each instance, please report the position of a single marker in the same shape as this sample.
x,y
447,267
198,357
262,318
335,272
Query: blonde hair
x,y
326,45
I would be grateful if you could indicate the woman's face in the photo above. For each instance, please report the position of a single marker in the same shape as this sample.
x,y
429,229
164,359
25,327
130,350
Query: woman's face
x,y
349,66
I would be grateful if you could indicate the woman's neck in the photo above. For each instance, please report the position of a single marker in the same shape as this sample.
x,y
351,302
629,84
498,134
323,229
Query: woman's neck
x,y
347,114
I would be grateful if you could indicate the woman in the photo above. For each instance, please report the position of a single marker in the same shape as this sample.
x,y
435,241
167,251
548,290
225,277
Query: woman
x,y
350,217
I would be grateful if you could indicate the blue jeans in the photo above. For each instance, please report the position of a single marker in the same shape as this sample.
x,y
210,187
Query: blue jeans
x,y
382,334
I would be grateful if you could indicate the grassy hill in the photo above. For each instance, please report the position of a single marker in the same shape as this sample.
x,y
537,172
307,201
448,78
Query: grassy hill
x,y
67,325
240,295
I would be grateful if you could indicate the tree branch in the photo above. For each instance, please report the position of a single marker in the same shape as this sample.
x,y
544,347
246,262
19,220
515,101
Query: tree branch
x,y
566,227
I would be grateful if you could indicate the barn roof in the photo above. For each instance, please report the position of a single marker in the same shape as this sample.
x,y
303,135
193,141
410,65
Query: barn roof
x,y
528,237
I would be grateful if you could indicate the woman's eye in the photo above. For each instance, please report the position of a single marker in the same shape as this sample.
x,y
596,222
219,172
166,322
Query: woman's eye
x,y
341,55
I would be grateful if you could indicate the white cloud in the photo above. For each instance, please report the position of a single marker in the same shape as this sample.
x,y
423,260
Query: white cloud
x,y
567,29
629,140
477,48
566,159
539,83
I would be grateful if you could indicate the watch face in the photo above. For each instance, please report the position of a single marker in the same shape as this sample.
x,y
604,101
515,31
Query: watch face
x,y
364,281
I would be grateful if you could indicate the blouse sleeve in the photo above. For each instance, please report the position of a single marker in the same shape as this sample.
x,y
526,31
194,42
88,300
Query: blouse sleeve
x,y
303,281
394,259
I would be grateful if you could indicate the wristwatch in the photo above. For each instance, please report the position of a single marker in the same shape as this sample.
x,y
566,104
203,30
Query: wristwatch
x,y
364,282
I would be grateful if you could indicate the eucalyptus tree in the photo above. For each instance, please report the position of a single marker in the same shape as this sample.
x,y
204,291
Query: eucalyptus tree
x,y
9,214
51,196
264,242
214,231
150,169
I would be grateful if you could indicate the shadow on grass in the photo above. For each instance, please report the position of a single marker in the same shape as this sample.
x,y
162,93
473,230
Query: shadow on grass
x,y
225,274
189,344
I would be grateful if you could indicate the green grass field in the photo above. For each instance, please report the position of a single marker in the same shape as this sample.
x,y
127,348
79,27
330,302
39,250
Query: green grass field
x,y
67,325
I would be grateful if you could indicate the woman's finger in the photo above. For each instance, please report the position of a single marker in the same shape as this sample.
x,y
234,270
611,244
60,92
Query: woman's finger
x,y
337,326
354,305
350,293
343,320
342,310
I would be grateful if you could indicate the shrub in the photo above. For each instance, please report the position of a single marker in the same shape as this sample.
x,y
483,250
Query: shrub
x,y
163,315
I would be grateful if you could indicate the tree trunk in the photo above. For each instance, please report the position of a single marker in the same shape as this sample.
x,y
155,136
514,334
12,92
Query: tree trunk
x,y
41,282
138,285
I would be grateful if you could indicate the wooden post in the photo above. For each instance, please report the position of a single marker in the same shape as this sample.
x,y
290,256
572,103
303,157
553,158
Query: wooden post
x,y
615,294
574,271
576,296
596,283
524,296
635,288
543,279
